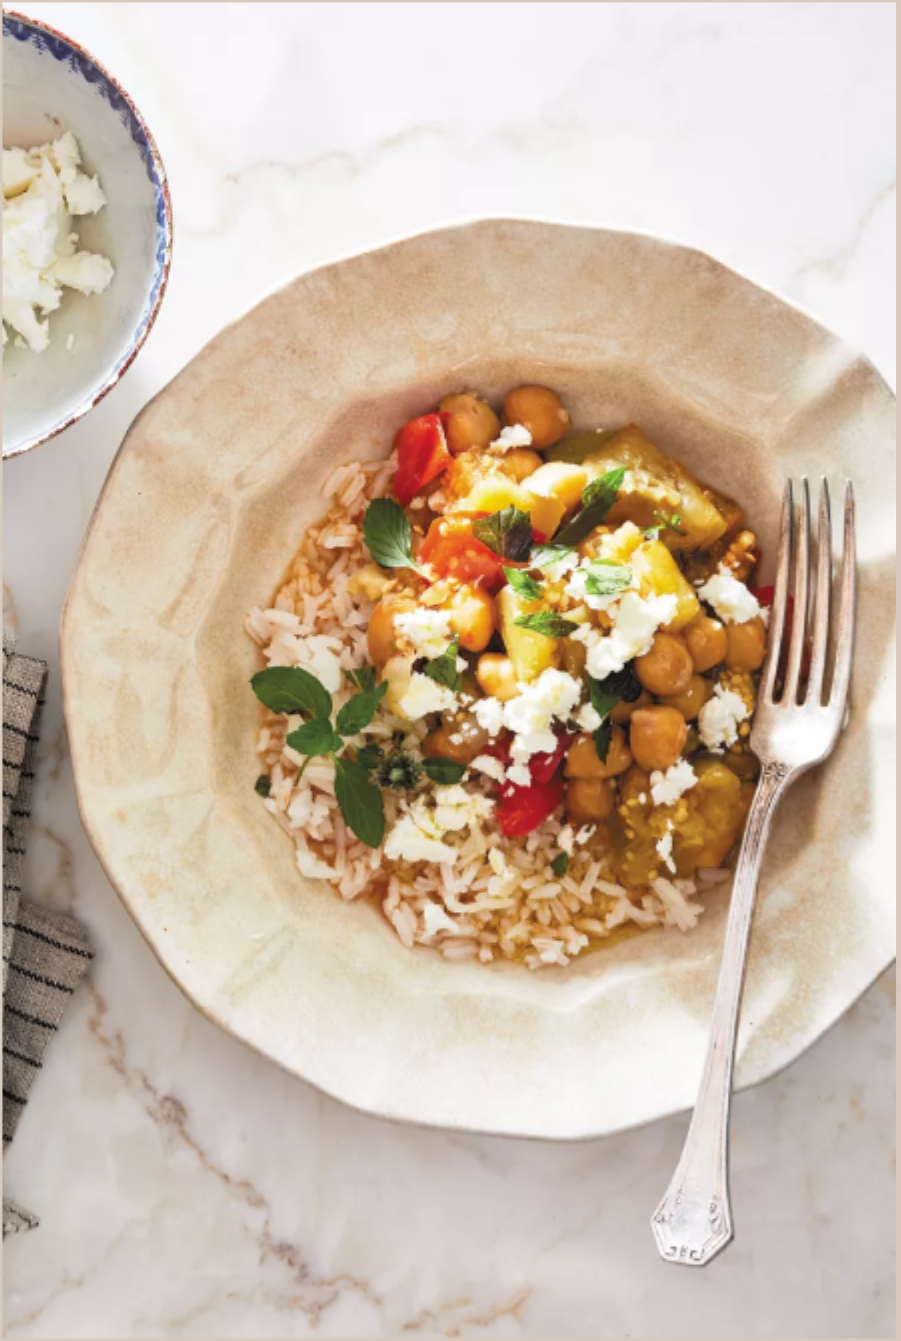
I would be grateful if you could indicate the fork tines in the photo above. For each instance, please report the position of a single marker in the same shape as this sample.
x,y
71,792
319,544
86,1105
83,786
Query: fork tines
x,y
808,623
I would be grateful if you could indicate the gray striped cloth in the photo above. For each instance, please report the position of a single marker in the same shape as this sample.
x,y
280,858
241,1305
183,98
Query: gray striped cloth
x,y
44,953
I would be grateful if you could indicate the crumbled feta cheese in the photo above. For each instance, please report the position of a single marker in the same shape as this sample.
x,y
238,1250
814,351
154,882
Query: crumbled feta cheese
x,y
408,842
588,718
577,589
719,718
435,919
514,435
565,839
489,714
666,788
636,620
665,848
424,695
520,775
42,187
491,767
731,599
456,808
531,714
429,631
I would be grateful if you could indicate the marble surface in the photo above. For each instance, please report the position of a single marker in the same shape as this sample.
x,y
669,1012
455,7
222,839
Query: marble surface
x,y
187,1188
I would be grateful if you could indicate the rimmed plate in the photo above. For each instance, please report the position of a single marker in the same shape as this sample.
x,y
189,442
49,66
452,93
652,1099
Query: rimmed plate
x,y
207,501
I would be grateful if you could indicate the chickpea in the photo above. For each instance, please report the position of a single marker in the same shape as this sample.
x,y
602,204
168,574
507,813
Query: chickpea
x,y
562,480
623,710
666,669
473,617
472,422
589,800
461,739
381,636
691,700
540,410
496,676
706,640
582,759
521,463
746,645
657,737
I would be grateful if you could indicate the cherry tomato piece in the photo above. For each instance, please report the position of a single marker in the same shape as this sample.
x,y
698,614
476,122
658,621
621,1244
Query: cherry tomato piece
x,y
453,551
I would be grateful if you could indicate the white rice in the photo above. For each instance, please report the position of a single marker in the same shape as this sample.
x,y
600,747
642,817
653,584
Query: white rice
x,y
500,897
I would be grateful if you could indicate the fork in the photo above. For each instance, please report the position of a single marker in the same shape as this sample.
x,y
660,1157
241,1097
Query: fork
x,y
694,1220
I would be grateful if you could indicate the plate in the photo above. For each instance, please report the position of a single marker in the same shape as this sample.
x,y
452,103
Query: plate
x,y
207,502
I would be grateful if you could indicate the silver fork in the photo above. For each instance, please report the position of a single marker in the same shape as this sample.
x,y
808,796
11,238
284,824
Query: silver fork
x,y
694,1220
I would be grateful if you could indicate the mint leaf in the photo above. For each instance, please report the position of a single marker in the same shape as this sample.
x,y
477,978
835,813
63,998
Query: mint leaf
x,y
560,863
602,739
598,498
387,534
443,669
263,785
523,585
360,801
360,710
543,556
548,623
314,737
604,577
507,533
369,756
619,687
291,689
664,523
443,771
362,679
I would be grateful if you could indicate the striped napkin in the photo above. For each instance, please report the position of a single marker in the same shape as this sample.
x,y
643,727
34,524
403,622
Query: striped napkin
x,y
45,953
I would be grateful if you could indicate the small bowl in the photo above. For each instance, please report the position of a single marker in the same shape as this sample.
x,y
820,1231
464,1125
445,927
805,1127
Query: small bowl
x,y
51,85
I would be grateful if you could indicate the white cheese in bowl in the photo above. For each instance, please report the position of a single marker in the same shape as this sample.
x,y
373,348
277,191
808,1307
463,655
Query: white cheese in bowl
x,y
42,188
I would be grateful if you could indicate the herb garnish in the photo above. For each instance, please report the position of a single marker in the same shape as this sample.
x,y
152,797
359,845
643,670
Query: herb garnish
x,y
400,772
290,689
545,556
508,533
522,584
618,687
363,678
560,863
605,577
664,523
443,669
443,771
547,622
388,536
263,785
598,498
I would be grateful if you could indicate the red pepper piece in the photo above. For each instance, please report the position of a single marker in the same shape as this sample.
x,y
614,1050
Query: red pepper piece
x,y
453,551
422,454
522,809
544,766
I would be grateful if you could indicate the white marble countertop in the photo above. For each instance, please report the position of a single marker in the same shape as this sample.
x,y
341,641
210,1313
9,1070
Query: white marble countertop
x,y
187,1188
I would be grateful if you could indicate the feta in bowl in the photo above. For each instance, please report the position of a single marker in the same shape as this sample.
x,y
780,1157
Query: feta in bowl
x,y
87,232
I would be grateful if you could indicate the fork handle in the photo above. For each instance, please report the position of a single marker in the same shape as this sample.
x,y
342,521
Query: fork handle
x,y
694,1220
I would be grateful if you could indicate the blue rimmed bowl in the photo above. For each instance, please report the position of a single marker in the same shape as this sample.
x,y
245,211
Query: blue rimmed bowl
x,y
51,85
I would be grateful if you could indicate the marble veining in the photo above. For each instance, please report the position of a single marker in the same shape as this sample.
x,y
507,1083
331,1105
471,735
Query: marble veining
x,y
187,1188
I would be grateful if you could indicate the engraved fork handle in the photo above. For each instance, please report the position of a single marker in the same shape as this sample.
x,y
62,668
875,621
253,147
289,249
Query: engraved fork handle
x,y
694,1220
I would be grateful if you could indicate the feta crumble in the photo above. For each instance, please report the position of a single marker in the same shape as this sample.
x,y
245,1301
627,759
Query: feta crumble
x,y
719,719
665,848
491,767
514,435
42,187
427,630
531,715
588,718
731,599
636,620
666,788
419,832
424,695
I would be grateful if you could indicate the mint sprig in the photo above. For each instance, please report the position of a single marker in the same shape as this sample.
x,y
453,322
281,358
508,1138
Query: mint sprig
x,y
598,498
605,577
388,536
443,669
523,585
618,687
291,689
547,622
508,533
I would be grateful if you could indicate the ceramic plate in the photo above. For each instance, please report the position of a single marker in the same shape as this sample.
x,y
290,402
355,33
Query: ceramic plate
x,y
206,504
